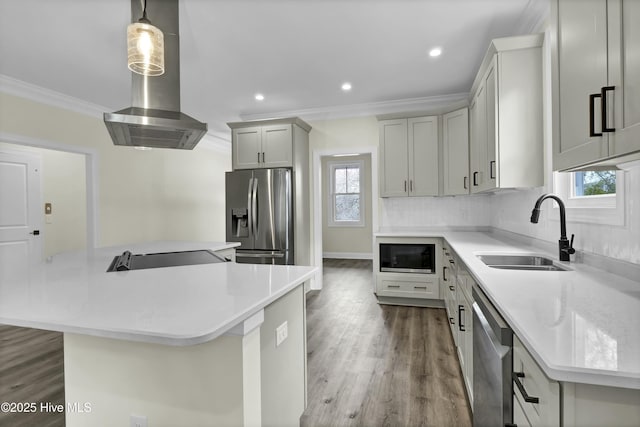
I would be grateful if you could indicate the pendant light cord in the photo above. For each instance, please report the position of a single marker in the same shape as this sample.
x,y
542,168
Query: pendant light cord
x,y
143,5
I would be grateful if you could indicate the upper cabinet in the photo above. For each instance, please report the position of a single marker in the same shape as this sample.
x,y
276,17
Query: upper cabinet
x,y
455,152
409,157
596,83
268,144
506,133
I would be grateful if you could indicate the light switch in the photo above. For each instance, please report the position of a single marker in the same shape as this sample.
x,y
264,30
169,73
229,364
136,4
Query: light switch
x,y
48,209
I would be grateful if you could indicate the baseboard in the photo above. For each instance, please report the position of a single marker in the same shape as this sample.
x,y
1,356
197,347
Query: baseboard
x,y
347,255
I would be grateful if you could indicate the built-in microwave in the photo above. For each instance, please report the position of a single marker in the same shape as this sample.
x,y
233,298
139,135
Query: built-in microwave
x,y
408,258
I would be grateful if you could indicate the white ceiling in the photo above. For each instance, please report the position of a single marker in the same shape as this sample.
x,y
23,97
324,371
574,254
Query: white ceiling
x,y
296,52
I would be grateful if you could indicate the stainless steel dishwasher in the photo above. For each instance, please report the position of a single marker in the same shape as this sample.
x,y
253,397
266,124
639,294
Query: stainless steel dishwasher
x,y
492,365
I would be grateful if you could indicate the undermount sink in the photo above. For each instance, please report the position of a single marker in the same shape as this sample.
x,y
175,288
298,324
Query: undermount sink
x,y
521,262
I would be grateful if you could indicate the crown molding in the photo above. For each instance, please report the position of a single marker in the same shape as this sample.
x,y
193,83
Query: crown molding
x,y
424,105
534,17
49,97
214,141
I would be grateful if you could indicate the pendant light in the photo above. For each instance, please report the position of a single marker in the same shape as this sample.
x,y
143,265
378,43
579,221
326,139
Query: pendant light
x,y
145,46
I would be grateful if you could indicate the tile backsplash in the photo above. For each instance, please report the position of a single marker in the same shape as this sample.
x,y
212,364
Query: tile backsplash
x,y
435,211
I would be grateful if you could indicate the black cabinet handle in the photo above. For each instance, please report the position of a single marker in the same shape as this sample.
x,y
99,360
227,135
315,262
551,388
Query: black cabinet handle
x,y
516,379
464,182
492,169
258,157
592,125
263,157
603,96
405,185
460,311
475,179
452,321
444,274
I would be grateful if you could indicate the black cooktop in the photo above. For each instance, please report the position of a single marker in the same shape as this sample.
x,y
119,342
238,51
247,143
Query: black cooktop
x,y
128,261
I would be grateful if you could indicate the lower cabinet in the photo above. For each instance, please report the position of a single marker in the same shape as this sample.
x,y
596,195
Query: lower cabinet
x,y
536,398
407,285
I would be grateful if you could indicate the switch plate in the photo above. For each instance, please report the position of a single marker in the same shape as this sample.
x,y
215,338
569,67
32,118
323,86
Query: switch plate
x,y
48,209
138,421
282,332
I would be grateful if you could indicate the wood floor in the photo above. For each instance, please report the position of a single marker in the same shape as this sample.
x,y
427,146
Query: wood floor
x,y
31,371
368,365
374,365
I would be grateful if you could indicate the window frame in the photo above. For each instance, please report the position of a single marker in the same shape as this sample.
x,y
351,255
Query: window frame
x,y
341,164
604,209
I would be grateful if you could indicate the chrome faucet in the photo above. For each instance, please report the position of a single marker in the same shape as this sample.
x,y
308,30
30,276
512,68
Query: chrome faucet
x,y
564,245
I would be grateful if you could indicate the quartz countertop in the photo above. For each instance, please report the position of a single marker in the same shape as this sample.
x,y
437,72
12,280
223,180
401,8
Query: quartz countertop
x,y
580,325
185,305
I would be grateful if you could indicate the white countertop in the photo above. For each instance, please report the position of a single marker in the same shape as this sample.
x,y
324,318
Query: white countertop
x,y
581,326
175,305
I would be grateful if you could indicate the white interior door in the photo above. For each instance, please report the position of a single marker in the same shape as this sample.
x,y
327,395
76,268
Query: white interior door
x,y
20,223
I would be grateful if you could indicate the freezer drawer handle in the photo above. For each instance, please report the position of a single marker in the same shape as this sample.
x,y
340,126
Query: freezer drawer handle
x,y
516,379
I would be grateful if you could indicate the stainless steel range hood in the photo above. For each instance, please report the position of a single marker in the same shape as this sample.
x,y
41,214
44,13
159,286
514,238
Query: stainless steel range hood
x,y
155,120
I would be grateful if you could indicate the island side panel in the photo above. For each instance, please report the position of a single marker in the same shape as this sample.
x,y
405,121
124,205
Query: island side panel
x,y
284,379
207,384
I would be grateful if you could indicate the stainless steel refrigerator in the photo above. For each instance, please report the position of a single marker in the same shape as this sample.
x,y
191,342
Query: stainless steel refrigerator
x,y
259,215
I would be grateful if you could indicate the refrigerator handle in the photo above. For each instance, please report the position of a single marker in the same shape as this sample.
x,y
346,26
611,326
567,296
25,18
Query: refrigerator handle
x,y
254,206
249,209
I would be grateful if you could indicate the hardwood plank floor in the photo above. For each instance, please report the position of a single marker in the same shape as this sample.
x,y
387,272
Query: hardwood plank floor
x,y
376,365
32,371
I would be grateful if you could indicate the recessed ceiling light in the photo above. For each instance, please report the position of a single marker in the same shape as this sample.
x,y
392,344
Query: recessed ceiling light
x,y
346,86
259,97
436,51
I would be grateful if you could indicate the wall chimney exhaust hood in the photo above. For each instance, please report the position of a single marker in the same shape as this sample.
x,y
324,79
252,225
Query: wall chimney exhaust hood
x,y
155,120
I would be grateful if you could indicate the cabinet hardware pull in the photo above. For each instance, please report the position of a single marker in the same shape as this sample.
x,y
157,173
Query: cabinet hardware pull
x,y
258,157
263,157
451,320
592,125
460,311
405,185
603,96
393,286
444,274
451,288
475,179
464,182
420,287
411,186
516,379
451,261
492,169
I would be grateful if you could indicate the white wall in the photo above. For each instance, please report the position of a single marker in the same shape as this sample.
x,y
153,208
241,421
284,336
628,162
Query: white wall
x,y
347,240
64,186
142,195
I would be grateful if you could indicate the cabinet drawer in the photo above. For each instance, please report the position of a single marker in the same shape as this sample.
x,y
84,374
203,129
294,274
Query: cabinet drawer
x,y
546,412
407,288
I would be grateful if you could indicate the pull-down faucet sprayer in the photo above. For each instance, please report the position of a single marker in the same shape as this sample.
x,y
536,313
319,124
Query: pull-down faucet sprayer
x,y
564,245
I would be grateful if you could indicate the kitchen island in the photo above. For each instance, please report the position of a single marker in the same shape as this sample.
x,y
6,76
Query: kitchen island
x,y
187,345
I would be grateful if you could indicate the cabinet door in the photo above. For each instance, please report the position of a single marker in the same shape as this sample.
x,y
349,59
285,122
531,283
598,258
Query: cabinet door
x,y
277,146
394,167
246,148
478,144
455,147
581,71
489,169
624,76
423,156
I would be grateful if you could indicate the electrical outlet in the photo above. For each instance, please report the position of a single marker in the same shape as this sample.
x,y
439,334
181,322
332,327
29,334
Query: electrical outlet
x,y
282,332
138,421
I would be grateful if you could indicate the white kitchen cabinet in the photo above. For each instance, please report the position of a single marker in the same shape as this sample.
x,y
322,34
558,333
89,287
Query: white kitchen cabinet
x,y
268,144
537,396
506,137
455,152
596,83
409,157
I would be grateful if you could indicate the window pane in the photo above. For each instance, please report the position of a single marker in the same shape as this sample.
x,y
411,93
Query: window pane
x,y
592,183
353,180
340,183
347,207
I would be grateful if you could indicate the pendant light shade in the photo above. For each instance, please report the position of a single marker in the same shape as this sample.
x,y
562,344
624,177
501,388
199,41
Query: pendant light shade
x,y
145,47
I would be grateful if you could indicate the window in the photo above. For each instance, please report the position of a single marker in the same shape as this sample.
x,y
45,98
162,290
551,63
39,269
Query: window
x,y
346,194
592,196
